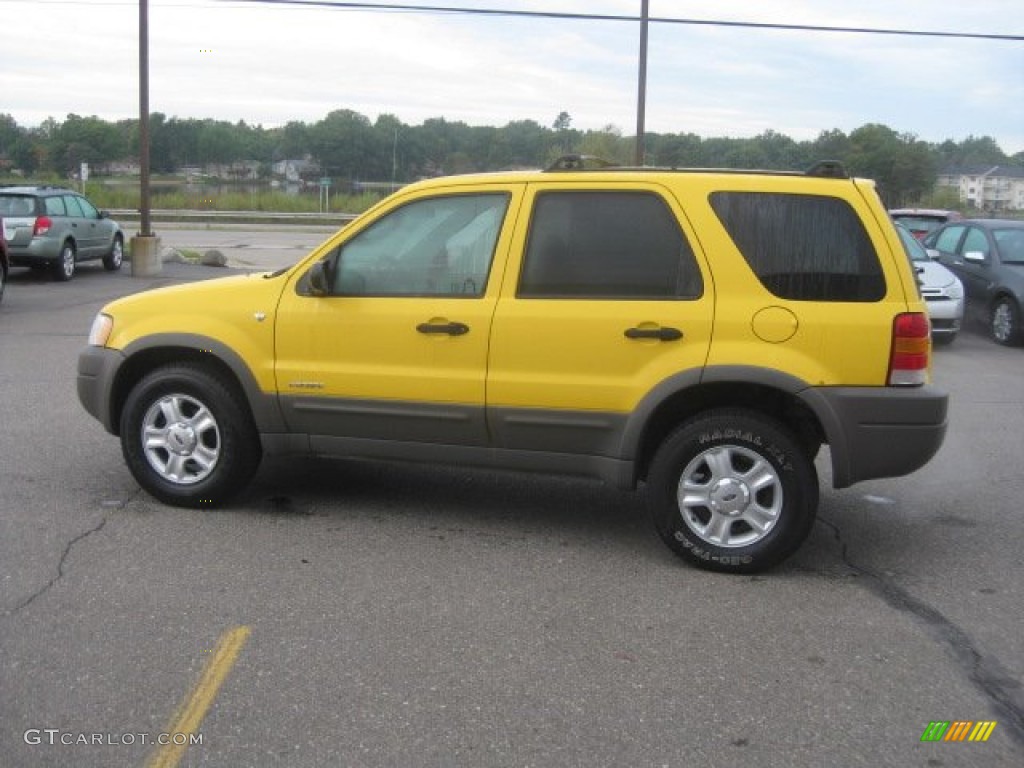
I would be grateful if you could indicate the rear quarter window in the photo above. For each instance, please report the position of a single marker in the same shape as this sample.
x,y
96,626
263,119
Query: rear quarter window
x,y
802,247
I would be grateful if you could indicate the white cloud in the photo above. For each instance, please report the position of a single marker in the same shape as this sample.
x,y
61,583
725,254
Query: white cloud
x,y
271,65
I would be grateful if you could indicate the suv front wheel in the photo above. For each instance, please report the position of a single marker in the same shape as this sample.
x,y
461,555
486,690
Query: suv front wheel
x,y
64,266
185,437
731,490
1005,322
112,261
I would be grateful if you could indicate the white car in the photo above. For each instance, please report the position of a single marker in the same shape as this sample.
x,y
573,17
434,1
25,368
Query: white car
x,y
941,290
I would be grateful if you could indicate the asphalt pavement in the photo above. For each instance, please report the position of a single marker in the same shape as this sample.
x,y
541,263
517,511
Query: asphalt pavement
x,y
356,614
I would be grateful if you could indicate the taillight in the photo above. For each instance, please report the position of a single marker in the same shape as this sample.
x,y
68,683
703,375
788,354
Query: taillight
x,y
42,226
911,350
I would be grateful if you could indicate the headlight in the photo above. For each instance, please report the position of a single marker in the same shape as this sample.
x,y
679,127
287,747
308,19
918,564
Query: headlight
x,y
102,325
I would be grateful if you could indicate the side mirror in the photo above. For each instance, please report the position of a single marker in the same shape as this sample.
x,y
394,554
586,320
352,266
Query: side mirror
x,y
319,284
975,257
933,254
104,214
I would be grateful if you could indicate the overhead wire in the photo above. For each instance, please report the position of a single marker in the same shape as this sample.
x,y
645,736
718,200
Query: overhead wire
x,y
441,9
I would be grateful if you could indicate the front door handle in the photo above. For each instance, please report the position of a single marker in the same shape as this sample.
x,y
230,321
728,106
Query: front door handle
x,y
452,329
661,334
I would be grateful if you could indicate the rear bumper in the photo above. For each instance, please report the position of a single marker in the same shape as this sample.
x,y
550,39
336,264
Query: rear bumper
x,y
878,432
39,250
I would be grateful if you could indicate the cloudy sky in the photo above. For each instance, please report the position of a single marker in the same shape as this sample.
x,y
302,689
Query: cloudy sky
x,y
269,64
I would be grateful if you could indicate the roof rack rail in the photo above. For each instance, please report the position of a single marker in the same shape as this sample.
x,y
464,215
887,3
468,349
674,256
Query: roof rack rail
x,y
579,163
828,169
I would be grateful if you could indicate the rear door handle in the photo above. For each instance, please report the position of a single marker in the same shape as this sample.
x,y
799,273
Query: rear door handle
x,y
452,329
661,334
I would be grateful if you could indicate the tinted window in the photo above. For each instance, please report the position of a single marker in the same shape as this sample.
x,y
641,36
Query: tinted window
x,y
802,247
437,247
55,206
619,245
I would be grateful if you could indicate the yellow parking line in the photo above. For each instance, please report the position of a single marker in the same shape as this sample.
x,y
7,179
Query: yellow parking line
x,y
193,709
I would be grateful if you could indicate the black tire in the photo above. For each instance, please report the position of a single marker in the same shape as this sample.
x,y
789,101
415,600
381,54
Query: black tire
x,y
64,266
1004,322
203,445
725,453
112,261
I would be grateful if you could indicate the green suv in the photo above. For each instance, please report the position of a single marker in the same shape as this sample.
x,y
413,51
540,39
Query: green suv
x,y
55,228
701,333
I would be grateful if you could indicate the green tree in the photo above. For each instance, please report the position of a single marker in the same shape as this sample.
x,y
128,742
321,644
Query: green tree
x,y
343,143
902,166
971,151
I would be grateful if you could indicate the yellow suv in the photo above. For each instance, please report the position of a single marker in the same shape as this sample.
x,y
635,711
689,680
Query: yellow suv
x,y
701,332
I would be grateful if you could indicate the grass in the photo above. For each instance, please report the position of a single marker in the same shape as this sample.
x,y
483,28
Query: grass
x,y
107,197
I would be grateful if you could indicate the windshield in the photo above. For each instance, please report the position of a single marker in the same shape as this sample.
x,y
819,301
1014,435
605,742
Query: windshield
x,y
912,245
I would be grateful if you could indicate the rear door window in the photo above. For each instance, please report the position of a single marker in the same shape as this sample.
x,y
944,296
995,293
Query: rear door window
x,y
803,247
608,245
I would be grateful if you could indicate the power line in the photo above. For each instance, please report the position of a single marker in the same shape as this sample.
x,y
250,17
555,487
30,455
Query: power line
x,y
405,7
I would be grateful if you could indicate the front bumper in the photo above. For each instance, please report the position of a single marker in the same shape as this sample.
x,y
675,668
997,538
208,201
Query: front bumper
x,y
946,315
97,371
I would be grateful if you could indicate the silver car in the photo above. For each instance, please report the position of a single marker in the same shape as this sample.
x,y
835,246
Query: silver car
x,y
941,290
55,228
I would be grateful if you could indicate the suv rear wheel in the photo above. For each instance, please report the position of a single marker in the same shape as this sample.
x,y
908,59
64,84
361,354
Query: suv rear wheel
x,y
731,490
186,438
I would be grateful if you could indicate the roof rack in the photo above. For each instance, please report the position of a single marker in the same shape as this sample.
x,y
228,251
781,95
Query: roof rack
x,y
825,169
828,169
580,163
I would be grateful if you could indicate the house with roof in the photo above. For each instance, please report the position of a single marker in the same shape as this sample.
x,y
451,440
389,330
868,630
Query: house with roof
x,y
987,187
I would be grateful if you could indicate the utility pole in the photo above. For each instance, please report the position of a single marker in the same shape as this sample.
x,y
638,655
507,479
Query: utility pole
x,y
144,213
641,98
145,247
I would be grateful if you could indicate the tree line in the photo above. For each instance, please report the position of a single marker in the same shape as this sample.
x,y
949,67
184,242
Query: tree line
x,y
347,146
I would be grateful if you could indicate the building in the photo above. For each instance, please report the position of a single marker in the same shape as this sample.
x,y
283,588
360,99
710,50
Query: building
x,y
987,187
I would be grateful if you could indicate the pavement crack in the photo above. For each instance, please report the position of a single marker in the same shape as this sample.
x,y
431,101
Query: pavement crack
x,y
60,566
985,672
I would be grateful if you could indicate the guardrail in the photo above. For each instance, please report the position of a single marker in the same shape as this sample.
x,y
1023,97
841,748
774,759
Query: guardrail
x,y
173,214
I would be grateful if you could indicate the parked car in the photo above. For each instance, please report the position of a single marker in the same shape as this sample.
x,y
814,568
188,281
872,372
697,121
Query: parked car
x,y
4,260
921,221
703,333
55,228
988,257
942,291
